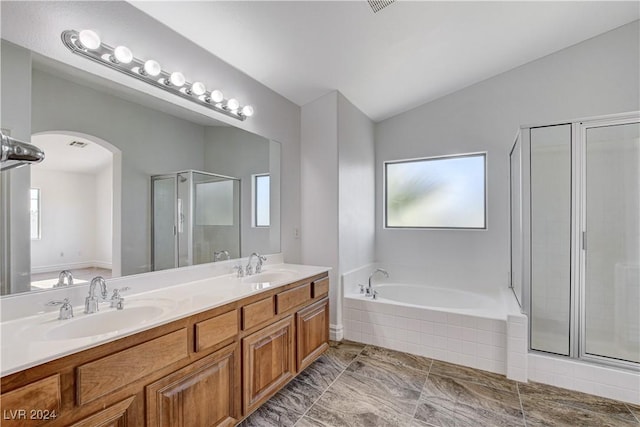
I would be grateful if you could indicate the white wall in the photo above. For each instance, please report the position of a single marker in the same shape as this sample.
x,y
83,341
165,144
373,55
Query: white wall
x,y
68,220
598,76
37,26
104,217
338,227
319,182
356,155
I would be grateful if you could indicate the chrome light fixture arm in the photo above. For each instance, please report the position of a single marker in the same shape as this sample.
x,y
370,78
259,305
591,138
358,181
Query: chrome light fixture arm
x,y
174,83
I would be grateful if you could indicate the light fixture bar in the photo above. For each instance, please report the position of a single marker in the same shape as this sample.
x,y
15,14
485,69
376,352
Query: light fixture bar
x,y
121,59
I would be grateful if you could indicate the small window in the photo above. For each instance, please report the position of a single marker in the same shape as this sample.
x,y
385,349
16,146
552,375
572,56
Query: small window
x,y
261,197
34,210
436,192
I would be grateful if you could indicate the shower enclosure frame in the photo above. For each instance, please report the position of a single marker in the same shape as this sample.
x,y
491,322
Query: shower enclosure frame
x,y
578,237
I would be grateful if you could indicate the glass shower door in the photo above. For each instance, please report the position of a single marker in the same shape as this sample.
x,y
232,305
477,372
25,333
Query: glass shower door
x,y
164,210
550,311
611,244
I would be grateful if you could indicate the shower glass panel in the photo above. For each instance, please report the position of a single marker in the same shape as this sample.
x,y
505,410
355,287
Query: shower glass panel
x,y
164,221
612,247
550,238
216,223
515,198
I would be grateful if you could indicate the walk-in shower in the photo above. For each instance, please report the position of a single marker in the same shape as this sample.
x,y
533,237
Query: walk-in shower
x,y
195,215
575,237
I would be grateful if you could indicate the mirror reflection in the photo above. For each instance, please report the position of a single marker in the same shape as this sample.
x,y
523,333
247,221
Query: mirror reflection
x,y
126,187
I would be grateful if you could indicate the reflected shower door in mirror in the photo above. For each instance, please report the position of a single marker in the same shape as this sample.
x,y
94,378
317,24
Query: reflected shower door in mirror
x,y
196,219
149,137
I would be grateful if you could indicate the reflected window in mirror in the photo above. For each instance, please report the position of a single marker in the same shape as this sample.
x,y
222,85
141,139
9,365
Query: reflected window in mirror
x,y
261,205
34,211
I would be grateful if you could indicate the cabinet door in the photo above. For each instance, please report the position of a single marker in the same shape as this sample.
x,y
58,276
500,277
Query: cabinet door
x,y
312,333
205,393
268,362
114,416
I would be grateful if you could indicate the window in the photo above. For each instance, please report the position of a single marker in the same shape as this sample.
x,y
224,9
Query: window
x,y
261,197
34,210
436,192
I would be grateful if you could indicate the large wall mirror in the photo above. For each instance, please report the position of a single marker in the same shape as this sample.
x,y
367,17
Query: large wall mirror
x,y
129,184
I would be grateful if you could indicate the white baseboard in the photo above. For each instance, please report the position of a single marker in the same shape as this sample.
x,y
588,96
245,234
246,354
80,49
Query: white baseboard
x,y
70,266
336,332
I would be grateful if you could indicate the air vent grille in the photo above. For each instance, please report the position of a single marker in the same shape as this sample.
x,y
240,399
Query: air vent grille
x,y
78,144
378,5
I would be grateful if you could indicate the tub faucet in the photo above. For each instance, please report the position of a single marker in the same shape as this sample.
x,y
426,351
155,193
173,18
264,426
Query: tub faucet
x,y
64,274
249,270
370,291
217,255
92,301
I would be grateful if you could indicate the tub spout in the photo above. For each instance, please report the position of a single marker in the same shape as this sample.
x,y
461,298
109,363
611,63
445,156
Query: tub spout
x,y
370,291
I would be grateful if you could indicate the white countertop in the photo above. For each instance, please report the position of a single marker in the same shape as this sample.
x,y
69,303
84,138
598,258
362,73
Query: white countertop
x,y
27,341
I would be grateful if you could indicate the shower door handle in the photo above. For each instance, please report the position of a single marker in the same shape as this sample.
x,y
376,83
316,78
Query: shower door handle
x,y
584,240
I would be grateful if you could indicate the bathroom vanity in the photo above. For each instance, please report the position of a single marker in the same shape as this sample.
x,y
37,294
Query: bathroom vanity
x,y
212,366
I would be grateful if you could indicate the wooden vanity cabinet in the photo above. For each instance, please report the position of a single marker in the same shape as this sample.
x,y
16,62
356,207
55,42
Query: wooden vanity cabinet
x,y
209,369
312,330
268,362
205,393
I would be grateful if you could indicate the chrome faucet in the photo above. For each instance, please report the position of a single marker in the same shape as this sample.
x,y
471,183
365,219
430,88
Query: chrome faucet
x,y
370,291
92,301
249,268
217,255
64,274
66,310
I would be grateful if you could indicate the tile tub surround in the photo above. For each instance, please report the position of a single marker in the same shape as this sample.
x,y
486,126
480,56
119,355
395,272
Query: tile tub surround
x,y
468,340
355,384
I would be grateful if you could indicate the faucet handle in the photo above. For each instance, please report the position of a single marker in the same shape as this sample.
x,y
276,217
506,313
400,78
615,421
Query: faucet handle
x,y
116,299
374,294
66,309
240,270
361,288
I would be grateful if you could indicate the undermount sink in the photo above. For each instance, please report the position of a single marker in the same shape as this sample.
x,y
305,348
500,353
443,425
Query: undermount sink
x,y
271,276
104,322
108,320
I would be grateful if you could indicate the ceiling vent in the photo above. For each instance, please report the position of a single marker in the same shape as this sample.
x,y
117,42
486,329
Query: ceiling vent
x,y
78,144
378,5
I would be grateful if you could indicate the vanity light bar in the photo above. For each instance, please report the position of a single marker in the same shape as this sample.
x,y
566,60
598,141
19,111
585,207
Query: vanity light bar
x,y
88,44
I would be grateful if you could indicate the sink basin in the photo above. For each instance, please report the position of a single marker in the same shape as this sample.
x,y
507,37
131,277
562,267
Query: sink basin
x,y
104,322
272,276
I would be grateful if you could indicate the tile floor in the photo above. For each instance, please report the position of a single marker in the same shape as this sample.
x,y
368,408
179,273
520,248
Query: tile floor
x,y
361,385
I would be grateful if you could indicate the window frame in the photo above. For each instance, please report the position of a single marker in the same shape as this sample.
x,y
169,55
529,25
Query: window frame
x,y
254,200
39,212
385,163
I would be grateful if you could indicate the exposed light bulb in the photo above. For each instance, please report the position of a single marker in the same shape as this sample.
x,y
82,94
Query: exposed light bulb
x,y
198,88
123,54
177,79
89,39
152,68
216,96
247,110
233,104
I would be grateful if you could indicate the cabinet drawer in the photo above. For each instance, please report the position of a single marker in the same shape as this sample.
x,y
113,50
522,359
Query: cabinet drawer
x,y
320,287
215,330
292,298
41,396
110,373
255,313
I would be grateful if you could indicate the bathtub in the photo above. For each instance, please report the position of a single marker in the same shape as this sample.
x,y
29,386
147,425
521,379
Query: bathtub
x,y
480,330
